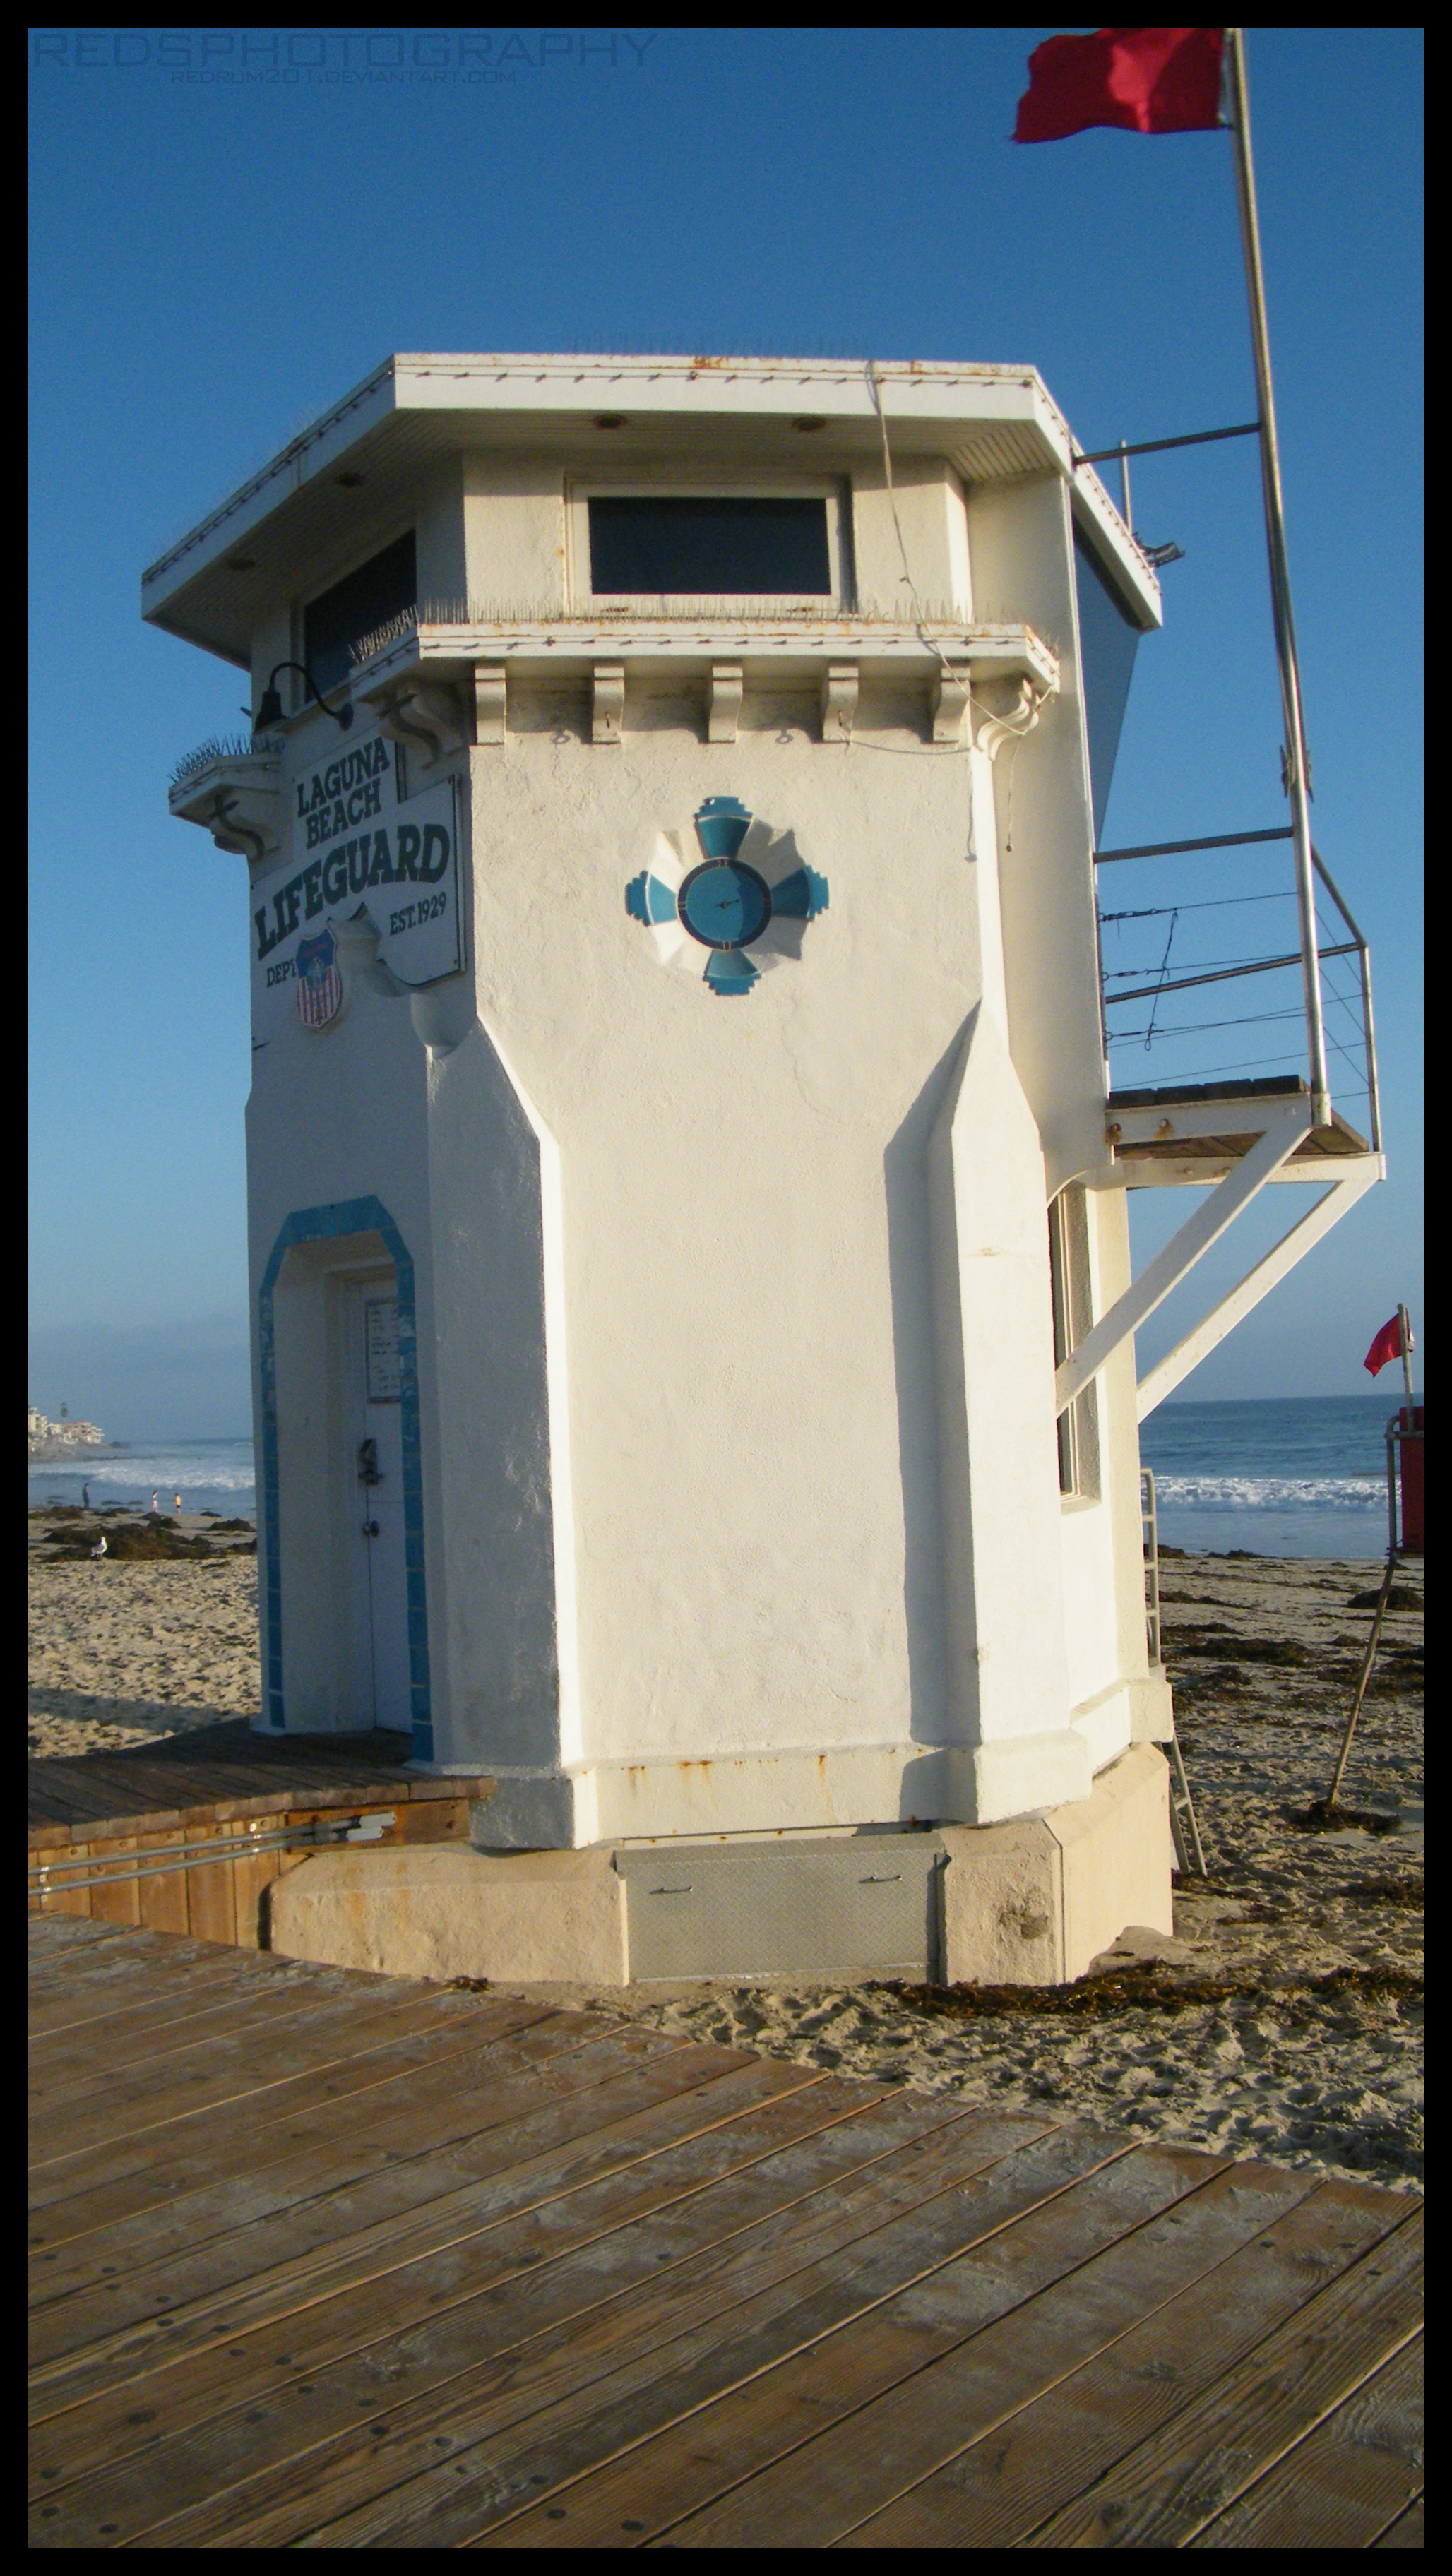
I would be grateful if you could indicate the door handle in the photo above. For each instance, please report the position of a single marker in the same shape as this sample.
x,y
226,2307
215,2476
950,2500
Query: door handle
x,y
370,1529
368,1473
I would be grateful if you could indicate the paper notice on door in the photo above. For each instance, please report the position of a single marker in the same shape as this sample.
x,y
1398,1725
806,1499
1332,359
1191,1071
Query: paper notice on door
x,y
380,1344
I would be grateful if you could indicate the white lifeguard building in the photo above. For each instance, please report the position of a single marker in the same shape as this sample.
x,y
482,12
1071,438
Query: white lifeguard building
x,y
692,1298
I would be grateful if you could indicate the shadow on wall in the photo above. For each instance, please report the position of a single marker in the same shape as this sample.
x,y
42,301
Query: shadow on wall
x,y
909,1236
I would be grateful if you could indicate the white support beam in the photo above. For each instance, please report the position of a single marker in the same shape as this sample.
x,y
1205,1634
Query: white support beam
x,y
1166,1375
1285,1127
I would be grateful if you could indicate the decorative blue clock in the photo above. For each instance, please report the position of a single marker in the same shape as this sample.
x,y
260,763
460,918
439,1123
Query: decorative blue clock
x,y
748,890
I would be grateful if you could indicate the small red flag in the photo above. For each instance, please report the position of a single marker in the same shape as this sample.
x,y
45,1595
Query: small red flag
x,y
1154,80
1387,1346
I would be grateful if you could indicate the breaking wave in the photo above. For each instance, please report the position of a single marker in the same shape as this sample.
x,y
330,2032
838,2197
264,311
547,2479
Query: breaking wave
x,y
1271,1493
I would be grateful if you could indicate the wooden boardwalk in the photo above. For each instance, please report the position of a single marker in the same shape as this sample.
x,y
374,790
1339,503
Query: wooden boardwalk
x,y
188,1834
335,2260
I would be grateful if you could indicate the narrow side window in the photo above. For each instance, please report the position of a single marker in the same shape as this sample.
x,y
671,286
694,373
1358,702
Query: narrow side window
x,y
1069,1277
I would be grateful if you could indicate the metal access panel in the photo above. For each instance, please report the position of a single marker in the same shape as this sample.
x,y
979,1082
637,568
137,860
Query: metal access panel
x,y
850,1906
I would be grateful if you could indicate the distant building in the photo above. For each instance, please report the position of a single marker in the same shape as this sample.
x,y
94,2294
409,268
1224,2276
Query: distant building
x,y
58,1439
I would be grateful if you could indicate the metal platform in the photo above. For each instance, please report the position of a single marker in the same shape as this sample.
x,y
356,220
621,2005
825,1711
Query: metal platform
x,y
1210,1126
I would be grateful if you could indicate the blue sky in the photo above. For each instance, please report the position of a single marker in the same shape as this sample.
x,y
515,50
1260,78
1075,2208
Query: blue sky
x,y
217,257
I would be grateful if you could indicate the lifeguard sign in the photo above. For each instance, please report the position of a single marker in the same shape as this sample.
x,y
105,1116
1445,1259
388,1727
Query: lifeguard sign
x,y
718,1104
364,854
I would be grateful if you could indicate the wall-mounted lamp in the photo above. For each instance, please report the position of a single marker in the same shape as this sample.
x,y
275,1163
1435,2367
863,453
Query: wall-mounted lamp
x,y
270,711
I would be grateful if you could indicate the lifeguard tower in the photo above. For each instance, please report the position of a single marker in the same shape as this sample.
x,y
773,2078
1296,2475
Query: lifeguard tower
x,y
692,1298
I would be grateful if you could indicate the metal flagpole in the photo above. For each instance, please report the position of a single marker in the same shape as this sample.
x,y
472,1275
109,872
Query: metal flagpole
x,y
1280,580
1404,1323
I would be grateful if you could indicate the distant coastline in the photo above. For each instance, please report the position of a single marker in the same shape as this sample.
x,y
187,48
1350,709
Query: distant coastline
x,y
52,1443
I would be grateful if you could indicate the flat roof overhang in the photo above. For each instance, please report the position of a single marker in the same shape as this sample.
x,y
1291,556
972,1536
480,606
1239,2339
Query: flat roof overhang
x,y
414,413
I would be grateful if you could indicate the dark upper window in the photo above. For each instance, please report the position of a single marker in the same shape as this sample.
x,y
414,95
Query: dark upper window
x,y
1108,636
379,589
664,545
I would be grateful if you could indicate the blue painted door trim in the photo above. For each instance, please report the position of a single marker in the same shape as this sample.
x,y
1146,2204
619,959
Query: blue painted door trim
x,y
316,1225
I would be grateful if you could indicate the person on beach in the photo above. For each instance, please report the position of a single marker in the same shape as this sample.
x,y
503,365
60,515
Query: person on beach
x,y
176,1504
85,1497
155,1507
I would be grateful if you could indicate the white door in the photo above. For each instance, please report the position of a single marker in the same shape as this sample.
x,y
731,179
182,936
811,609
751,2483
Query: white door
x,y
381,1662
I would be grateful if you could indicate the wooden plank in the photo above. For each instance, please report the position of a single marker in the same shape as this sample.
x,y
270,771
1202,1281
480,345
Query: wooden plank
x,y
211,1907
75,2065
1407,2532
377,2117
67,1897
812,2255
420,2036
953,2388
50,1949
70,2006
1347,2481
316,2208
1168,2487
327,2476
60,1953
1002,2481
751,2404
431,1820
55,1977
107,1996
89,1802
321,2027
442,2081
271,1987
563,2091
50,1820
225,2290
251,1880
163,1893
234,2069
117,1902
537,2283
193,2208
141,2016
66,1794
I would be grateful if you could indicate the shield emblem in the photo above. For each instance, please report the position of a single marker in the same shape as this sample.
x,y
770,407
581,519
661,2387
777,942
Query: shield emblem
x,y
319,981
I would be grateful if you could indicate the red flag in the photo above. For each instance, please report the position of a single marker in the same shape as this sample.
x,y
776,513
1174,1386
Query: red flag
x,y
1387,1346
1154,80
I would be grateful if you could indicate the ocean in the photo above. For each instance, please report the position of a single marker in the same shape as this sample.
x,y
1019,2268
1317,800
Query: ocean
x,y
209,1475
1289,1477
1292,1476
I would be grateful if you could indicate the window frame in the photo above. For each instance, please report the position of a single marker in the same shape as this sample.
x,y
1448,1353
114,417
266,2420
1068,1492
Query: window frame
x,y
297,687
834,489
1071,1290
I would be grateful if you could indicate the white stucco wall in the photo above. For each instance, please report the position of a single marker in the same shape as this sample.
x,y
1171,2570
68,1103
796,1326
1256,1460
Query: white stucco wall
x,y
1022,547
745,1236
734,1341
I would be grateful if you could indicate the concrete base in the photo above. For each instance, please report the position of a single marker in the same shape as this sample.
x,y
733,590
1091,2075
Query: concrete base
x,y
1032,1903
450,1911
1027,1903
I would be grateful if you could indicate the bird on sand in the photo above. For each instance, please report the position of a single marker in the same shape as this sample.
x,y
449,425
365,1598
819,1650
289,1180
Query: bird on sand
x,y
100,1547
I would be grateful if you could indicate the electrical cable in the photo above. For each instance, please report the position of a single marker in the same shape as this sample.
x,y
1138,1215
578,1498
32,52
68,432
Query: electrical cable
x,y
1015,733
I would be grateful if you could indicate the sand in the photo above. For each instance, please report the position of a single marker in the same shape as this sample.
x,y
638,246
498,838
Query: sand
x,y
123,1652
1284,2019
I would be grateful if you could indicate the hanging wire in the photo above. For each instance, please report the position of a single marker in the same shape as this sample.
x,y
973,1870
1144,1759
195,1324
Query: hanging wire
x,y
1213,903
